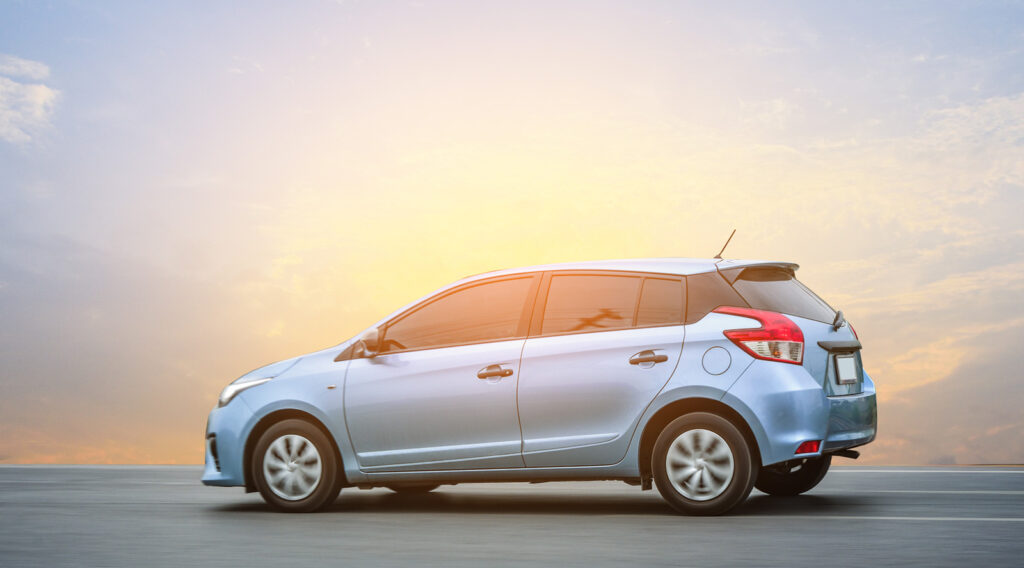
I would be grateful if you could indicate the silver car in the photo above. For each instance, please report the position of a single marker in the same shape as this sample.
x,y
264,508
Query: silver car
x,y
705,378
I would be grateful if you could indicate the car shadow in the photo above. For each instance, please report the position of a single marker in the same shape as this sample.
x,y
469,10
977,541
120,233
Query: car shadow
x,y
439,502
481,503
761,505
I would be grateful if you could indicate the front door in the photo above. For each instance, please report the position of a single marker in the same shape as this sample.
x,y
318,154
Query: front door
x,y
442,394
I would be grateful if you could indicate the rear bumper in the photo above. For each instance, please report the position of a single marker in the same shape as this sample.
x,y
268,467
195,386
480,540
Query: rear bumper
x,y
852,419
784,406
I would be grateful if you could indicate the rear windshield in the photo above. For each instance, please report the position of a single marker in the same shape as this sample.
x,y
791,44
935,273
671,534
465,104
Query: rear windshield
x,y
777,290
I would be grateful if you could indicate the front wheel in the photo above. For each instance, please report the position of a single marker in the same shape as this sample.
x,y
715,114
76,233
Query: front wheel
x,y
295,468
793,478
702,464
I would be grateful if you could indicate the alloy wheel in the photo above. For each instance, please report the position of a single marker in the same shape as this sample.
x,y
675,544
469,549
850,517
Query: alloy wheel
x,y
292,467
700,464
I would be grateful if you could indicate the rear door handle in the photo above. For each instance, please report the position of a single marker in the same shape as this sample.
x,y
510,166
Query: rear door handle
x,y
647,357
493,371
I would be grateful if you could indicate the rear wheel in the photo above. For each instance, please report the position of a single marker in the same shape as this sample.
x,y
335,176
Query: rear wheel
x,y
294,467
702,464
792,477
412,489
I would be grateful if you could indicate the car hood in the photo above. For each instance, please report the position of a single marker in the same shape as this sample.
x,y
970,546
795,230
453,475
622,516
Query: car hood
x,y
270,371
279,368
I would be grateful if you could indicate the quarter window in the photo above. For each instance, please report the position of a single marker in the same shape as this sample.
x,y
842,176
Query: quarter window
x,y
488,312
707,291
580,303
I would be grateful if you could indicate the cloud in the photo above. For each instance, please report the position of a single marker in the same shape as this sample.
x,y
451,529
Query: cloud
x,y
25,108
17,67
242,65
776,113
971,416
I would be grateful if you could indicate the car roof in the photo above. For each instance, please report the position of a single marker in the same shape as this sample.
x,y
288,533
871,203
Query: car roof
x,y
680,266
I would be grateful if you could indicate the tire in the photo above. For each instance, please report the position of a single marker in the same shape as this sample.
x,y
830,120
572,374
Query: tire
x,y
702,464
295,468
412,489
792,478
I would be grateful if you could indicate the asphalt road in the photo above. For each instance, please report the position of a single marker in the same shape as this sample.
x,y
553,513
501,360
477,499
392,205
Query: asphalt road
x,y
162,516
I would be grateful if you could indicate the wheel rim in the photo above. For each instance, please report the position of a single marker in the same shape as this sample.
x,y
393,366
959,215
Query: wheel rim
x,y
292,467
700,464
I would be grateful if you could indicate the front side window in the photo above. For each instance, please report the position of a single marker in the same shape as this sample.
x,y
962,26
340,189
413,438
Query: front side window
x,y
584,302
487,312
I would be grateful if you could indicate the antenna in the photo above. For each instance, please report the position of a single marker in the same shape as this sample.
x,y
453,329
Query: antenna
x,y
719,255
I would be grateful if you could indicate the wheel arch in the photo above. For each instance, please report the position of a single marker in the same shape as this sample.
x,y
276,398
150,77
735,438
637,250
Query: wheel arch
x,y
681,407
273,418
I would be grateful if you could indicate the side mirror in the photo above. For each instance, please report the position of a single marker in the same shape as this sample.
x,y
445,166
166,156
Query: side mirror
x,y
368,343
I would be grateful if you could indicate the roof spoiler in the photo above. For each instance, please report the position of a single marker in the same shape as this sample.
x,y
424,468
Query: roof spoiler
x,y
731,273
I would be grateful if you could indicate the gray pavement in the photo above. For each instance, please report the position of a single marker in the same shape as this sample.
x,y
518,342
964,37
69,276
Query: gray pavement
x,y
162,516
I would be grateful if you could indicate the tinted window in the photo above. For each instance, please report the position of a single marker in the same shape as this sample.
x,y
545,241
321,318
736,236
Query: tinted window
x,y
661,303
705,292
779,291
590,303
488,312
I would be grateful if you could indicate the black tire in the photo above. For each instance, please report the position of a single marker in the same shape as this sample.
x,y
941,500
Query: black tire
x,y
293,435
730,490
412,489
789,478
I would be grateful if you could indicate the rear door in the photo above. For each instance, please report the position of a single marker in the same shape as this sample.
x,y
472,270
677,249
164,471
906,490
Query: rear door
x,y
442,394
602,345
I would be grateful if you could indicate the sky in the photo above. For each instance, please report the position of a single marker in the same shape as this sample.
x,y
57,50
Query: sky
x,y
192,190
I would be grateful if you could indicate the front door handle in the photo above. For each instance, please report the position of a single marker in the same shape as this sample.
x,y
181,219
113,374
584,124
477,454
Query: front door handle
x,y
493,371
647,357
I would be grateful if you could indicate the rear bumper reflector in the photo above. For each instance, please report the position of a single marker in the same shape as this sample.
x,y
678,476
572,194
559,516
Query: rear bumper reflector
x,y
808,447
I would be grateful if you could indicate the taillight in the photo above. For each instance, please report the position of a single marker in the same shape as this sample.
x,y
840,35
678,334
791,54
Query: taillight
x,y
778,338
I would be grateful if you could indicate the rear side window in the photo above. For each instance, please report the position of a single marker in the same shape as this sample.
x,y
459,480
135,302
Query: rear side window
x,y
584,302
661,303
492,311
778,290
705,292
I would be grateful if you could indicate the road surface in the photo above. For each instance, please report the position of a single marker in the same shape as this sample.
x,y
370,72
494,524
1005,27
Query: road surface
x,y
162,516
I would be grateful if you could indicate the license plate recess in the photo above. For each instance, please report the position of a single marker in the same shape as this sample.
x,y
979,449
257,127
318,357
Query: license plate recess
x,y
846,369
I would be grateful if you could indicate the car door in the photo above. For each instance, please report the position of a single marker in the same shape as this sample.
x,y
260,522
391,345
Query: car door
x,y
442,393
602,345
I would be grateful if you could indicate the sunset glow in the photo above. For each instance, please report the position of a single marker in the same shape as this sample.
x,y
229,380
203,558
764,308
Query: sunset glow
x,y
189,192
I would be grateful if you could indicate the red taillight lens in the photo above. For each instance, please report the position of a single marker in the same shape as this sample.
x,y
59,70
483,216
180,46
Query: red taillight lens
x,y
778,338
808,447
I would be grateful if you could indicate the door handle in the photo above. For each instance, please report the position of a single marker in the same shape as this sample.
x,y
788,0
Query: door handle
x,y
647,357
493,371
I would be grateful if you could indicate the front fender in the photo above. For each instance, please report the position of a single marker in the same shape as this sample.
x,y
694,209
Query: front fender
x,y
321,395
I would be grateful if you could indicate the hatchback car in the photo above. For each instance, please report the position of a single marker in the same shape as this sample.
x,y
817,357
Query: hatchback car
x,y
705,378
